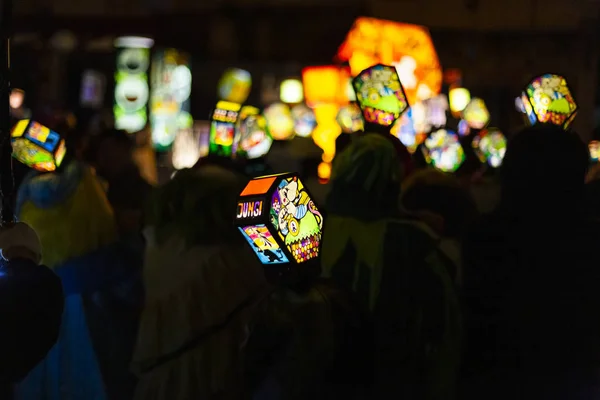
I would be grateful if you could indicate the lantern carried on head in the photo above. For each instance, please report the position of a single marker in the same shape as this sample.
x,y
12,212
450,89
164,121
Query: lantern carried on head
x,y
547,99
222,128
380,95
37,146
279,219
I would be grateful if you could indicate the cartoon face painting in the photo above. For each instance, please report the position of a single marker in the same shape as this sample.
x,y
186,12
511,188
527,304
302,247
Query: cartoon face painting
x,y
297,220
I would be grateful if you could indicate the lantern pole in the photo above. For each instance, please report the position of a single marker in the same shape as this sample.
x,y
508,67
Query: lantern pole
x,y
7,182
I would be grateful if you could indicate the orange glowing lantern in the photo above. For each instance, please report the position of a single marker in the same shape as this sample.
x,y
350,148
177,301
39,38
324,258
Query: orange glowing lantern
x,y
408,47
325,90
327,84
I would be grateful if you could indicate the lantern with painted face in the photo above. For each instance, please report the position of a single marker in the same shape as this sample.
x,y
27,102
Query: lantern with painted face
x,y
278,218
37,146
547,99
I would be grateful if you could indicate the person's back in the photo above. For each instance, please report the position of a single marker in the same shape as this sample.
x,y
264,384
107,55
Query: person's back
x,y
202,284
530,278
399,277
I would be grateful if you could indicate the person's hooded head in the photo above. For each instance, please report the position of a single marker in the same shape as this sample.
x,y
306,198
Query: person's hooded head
x,y
365,180
544,169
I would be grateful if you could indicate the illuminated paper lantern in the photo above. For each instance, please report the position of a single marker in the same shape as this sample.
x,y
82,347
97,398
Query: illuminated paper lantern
x,y
131,83
350,118
443,150
279,121
279,219
253,139
458,98
291,91
380,95
304,120
490,147
476,114
37,146
407,47
235,85
171,82
327,84
594,147
547,99
222,128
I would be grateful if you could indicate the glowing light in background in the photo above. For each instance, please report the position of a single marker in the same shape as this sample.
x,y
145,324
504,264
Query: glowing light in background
x,y
325,134
17,96
443,150
459,99
407,47
291,91
304,120
235,85
279,121
131,83
476,114
170,97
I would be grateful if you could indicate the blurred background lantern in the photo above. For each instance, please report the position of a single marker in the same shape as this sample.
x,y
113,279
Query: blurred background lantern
x,y
476,114
444,151
235,85
291,91
304,120
407,47
222,128
458,98
490,146
37,146
279,121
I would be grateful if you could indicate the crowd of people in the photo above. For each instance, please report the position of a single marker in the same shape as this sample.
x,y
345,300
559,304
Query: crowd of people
x,y
416,293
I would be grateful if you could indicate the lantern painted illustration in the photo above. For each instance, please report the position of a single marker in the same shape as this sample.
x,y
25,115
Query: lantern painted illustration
x,y
253,139
444,151
222,128
37,146
490,146
547,99
380,95
279,219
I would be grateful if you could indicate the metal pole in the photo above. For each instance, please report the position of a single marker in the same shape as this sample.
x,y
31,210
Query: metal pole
x,y
7,182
